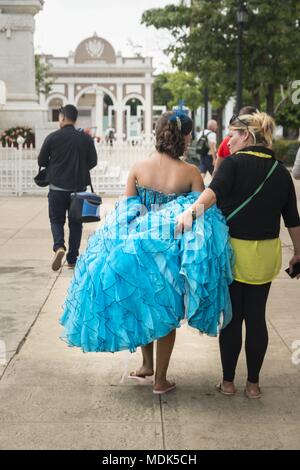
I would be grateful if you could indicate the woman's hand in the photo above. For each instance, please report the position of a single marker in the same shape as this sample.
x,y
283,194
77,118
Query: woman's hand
x,y
184,222
204,202
294,260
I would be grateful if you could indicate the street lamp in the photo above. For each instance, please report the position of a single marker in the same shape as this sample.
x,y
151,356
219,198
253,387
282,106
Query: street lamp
x,y
242,20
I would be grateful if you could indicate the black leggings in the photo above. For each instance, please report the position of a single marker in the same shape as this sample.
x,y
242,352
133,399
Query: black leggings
x,y
249,304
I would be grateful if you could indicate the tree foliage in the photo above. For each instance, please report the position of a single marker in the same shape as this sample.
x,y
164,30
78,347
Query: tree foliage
x,y
43,81
205,39
171,88
161,95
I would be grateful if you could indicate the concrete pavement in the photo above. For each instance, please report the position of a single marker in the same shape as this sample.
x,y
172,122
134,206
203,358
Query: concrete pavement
x,y
55,397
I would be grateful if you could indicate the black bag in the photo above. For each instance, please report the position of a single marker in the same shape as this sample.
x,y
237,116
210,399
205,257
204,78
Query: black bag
x,y
85,206
202,146
41,179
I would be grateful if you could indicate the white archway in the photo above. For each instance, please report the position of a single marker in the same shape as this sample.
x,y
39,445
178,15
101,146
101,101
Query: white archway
x,y
131,96
53,103
57,96
95,89
135,120
98,111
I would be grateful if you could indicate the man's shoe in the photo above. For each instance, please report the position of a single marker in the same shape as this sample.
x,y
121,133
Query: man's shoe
x,y
71,265
59,254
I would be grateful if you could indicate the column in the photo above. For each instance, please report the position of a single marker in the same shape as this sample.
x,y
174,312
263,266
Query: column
x,y
148,112
99,112
71,93
119,112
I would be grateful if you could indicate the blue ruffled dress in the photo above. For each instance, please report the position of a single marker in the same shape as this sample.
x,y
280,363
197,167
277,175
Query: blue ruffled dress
x,y
137,280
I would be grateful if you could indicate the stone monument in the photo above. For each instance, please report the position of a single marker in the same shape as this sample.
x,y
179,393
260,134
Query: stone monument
x,y
17,65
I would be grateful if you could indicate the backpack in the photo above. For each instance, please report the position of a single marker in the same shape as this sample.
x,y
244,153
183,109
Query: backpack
x,y
202,146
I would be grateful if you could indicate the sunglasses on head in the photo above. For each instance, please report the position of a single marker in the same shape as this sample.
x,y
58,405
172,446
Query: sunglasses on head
x,y
236,117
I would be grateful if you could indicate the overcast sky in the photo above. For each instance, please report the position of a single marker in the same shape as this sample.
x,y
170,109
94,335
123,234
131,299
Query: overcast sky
x,y
64,23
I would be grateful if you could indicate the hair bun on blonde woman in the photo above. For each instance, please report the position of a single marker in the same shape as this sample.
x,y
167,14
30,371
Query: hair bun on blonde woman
x,y
261,125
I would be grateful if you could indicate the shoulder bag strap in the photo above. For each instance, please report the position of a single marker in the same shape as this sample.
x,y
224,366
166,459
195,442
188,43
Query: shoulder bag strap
x,y
77,176
254,194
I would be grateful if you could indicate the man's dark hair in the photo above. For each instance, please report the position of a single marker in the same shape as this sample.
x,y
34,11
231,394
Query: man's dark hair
x,y
70,112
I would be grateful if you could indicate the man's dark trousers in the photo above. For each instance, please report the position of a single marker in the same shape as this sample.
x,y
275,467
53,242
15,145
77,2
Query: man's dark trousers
x,y
59,203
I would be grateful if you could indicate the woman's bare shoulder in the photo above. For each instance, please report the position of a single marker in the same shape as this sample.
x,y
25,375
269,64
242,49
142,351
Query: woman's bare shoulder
x,y
189,167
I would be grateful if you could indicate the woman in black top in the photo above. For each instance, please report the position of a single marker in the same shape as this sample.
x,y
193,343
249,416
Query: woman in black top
x,y
255,239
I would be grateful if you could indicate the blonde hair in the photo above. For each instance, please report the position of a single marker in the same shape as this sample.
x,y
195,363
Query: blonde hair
x,y
260,125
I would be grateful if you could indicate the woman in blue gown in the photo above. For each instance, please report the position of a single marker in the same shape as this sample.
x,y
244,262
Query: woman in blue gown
x,y
138,278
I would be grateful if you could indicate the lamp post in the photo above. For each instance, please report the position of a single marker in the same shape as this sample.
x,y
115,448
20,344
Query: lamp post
x,y
242,19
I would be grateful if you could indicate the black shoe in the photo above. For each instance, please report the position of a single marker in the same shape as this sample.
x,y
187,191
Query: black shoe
x,y
56,263
71,265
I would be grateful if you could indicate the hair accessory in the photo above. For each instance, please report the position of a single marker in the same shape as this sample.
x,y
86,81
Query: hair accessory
x,y
184,122
178,123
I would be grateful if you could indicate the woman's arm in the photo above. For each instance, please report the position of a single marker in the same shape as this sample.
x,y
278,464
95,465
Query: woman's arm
x,y
204,202
131,182
295,237
219,188
218,163
197,183
296,167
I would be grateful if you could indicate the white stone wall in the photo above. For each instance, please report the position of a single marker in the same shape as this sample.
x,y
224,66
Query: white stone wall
x,y
17,68
17,57
15,118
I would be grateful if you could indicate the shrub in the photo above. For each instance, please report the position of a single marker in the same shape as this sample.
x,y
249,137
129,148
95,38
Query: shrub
x,y
286,150
9,137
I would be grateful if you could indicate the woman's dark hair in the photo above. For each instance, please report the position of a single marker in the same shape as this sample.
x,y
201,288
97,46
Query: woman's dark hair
x,y
170,134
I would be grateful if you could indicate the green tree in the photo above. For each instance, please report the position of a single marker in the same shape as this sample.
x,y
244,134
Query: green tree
x,y
43,81
288,116
161,95
184,86
205,39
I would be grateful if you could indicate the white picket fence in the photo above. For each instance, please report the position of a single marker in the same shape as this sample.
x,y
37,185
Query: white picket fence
x,y
19,166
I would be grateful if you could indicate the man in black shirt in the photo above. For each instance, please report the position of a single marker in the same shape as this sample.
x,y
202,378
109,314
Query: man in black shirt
x,y
69,155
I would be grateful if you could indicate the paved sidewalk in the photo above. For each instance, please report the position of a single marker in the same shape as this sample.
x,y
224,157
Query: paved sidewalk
x,y
55,397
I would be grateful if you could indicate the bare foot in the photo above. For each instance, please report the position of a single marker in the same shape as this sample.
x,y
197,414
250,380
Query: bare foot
x,y
227,388
142,372
252,390
163,387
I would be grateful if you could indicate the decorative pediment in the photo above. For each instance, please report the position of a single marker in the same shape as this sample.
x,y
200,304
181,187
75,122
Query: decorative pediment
x,y
95,49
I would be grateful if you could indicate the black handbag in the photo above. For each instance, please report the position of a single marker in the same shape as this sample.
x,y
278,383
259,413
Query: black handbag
x,y
85,206
41,179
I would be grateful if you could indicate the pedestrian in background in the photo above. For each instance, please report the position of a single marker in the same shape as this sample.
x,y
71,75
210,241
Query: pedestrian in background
x,y
224,150
68,154
206,147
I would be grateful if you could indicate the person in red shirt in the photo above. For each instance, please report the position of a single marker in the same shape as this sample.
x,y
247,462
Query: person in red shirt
x,y
223,150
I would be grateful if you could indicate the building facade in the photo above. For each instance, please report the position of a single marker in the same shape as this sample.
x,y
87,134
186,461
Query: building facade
x,y
109,90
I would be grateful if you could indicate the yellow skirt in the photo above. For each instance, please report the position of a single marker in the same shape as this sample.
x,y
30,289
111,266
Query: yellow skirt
x,y
256,261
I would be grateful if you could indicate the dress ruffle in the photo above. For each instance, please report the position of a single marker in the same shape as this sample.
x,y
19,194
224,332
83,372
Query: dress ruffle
x,y
136,281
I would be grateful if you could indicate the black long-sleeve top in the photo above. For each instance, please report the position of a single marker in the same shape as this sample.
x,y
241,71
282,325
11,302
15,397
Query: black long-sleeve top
x,y
238,177
63,152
